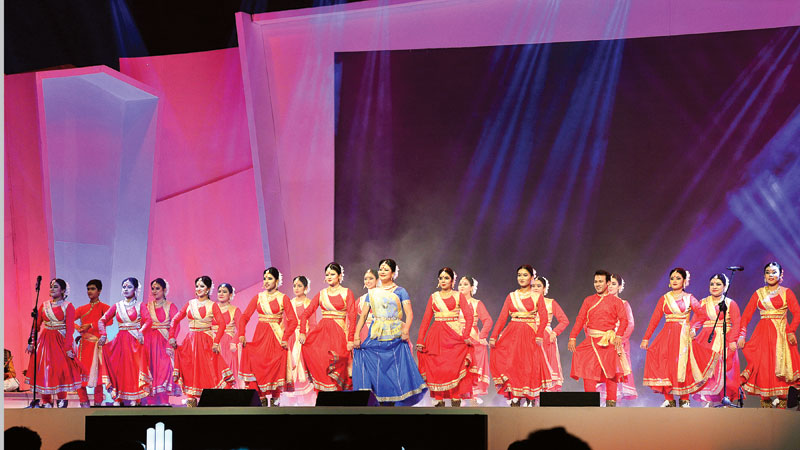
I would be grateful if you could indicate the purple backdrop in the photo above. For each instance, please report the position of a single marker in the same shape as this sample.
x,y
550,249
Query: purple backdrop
x,y
632,155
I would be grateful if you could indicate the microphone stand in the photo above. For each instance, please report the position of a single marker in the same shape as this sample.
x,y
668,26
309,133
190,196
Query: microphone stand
x,y
723,310
34,336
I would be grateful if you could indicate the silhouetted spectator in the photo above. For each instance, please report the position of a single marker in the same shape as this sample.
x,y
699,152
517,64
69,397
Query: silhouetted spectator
x,y
551,438
22,438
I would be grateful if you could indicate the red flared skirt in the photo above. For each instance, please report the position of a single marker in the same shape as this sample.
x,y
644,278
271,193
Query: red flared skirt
x,y
661,363
162,366
264,362
326,357
518,363
229,348
197,367
447,364
480,383
127,374
759,376
55,371
712,390
554,363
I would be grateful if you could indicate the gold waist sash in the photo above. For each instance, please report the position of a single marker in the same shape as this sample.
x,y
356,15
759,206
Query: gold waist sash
x,y
129,326
59,326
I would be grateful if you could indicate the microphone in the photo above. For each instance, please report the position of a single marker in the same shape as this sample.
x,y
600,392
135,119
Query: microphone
x,y
38,282
736,268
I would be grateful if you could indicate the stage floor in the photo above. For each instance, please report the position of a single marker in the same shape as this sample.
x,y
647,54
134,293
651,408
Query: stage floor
x,y
601,428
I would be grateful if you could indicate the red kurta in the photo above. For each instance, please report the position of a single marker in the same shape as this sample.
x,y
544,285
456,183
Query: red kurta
x,y
596,358
325,352
550,345
519,365
675,364
772,363
156,330
447,363
626,390
197,367
265,364
229,346
712,391
55,371
88,353
127,374
480,384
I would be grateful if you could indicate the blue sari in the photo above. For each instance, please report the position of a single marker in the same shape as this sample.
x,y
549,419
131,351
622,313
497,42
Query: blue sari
x,y
384,362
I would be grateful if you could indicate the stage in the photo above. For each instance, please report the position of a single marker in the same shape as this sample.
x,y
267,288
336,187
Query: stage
x,y
601,428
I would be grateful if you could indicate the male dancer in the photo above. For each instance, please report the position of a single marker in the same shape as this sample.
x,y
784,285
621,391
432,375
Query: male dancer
x,y
88,352
596,358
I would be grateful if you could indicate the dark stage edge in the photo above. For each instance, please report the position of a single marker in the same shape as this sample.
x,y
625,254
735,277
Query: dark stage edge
x,y
601,428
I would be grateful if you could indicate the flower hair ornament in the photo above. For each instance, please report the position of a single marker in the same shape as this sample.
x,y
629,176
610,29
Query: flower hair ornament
x,y
67,290
546,286
280,280
308,286
474,286
396,272
210,290
621,285
166,289
341,275
686,281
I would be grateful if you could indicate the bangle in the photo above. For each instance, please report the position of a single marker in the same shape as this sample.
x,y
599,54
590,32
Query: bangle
x,y
571,339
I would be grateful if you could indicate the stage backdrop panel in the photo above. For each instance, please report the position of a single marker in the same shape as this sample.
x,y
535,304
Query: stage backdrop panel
x,y
631,155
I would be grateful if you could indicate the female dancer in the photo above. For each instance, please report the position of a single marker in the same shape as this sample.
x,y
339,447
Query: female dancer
x,y
370,282
198,364
327,348
265,360
57,372
303,394
446,357
127,375
712,391
229,344
518,362
626,390
539,287
157,315
468,286
773,364
675,364
383,361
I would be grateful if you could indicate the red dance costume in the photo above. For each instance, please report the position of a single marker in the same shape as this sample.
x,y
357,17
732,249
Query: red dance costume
x,y
266,366
127,376
197,367
229,346
551,346
156,330
626,390
447,363
712,391
56,372
303,393
519,365
675,364
480,385
596,359
772,363
325,351
88,351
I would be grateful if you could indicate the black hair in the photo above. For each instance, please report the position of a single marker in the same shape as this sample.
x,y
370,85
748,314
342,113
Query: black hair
x,y
545,281
227,286
774,263
373,272
470,280
680,270
60,282
527,267
96,283
389,262
302,279
274,272
205,279
161,282
720,277
604,273
336,267
617,277
133,281
448,271
23,437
